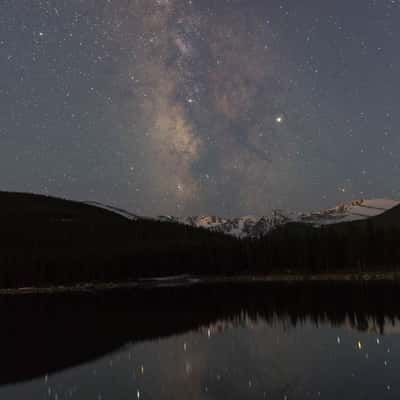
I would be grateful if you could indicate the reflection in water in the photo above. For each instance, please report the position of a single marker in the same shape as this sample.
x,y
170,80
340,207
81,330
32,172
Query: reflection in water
x,y
275,341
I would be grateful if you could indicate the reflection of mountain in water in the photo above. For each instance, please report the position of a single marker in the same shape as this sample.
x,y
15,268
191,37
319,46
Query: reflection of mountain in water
x,y
44,334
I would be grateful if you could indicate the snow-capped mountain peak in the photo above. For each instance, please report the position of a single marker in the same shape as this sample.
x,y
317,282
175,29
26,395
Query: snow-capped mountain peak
x,y
252,226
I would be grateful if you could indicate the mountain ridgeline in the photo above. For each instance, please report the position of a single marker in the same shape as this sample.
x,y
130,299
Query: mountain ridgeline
x,y
50,241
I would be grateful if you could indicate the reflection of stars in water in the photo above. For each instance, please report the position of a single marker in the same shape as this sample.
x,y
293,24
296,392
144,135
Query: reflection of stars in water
x,y
197,369
188,368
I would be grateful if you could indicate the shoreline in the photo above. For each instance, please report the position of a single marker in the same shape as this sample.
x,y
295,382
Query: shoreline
x,y
188,280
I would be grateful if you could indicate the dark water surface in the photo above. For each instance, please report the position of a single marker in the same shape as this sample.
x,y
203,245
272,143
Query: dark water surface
x,y
249,341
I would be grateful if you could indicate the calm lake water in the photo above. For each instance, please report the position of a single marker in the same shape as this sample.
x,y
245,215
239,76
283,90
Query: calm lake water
x,y
265,342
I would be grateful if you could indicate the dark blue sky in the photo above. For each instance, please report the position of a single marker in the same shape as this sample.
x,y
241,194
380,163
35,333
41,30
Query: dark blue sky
x,y
201,107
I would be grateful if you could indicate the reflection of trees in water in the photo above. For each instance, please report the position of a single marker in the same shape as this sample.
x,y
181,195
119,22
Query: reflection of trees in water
x,y
54,332
288,322
362,306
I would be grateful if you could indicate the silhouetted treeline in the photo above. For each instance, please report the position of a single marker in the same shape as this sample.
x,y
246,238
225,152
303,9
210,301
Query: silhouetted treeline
x,y
46,241
358,247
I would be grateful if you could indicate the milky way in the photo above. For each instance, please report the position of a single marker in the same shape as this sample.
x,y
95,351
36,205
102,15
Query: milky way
x,y
201,107
210,101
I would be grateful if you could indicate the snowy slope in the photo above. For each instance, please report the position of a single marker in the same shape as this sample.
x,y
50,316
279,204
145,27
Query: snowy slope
x,y
356,210
115,210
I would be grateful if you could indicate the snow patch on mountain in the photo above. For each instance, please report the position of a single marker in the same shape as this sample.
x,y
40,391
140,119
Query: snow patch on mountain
x,y
356,210
248,226
115,210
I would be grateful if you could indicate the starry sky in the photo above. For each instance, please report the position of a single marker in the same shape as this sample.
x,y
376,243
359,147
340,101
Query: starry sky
x,y
228,107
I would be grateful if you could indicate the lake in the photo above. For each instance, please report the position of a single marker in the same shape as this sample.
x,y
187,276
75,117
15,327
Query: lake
x,y
244,341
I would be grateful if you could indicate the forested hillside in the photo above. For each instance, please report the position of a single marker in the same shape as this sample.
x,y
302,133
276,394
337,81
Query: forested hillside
x,y
355,246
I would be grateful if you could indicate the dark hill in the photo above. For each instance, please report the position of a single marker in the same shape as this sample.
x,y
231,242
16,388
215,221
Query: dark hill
x,y
388,220
45,240
18,207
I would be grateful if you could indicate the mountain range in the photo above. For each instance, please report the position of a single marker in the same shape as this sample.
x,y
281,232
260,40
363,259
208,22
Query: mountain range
x,y
256,227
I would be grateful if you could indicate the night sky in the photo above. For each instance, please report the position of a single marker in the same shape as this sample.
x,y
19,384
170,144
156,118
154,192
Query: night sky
x,y
229,107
